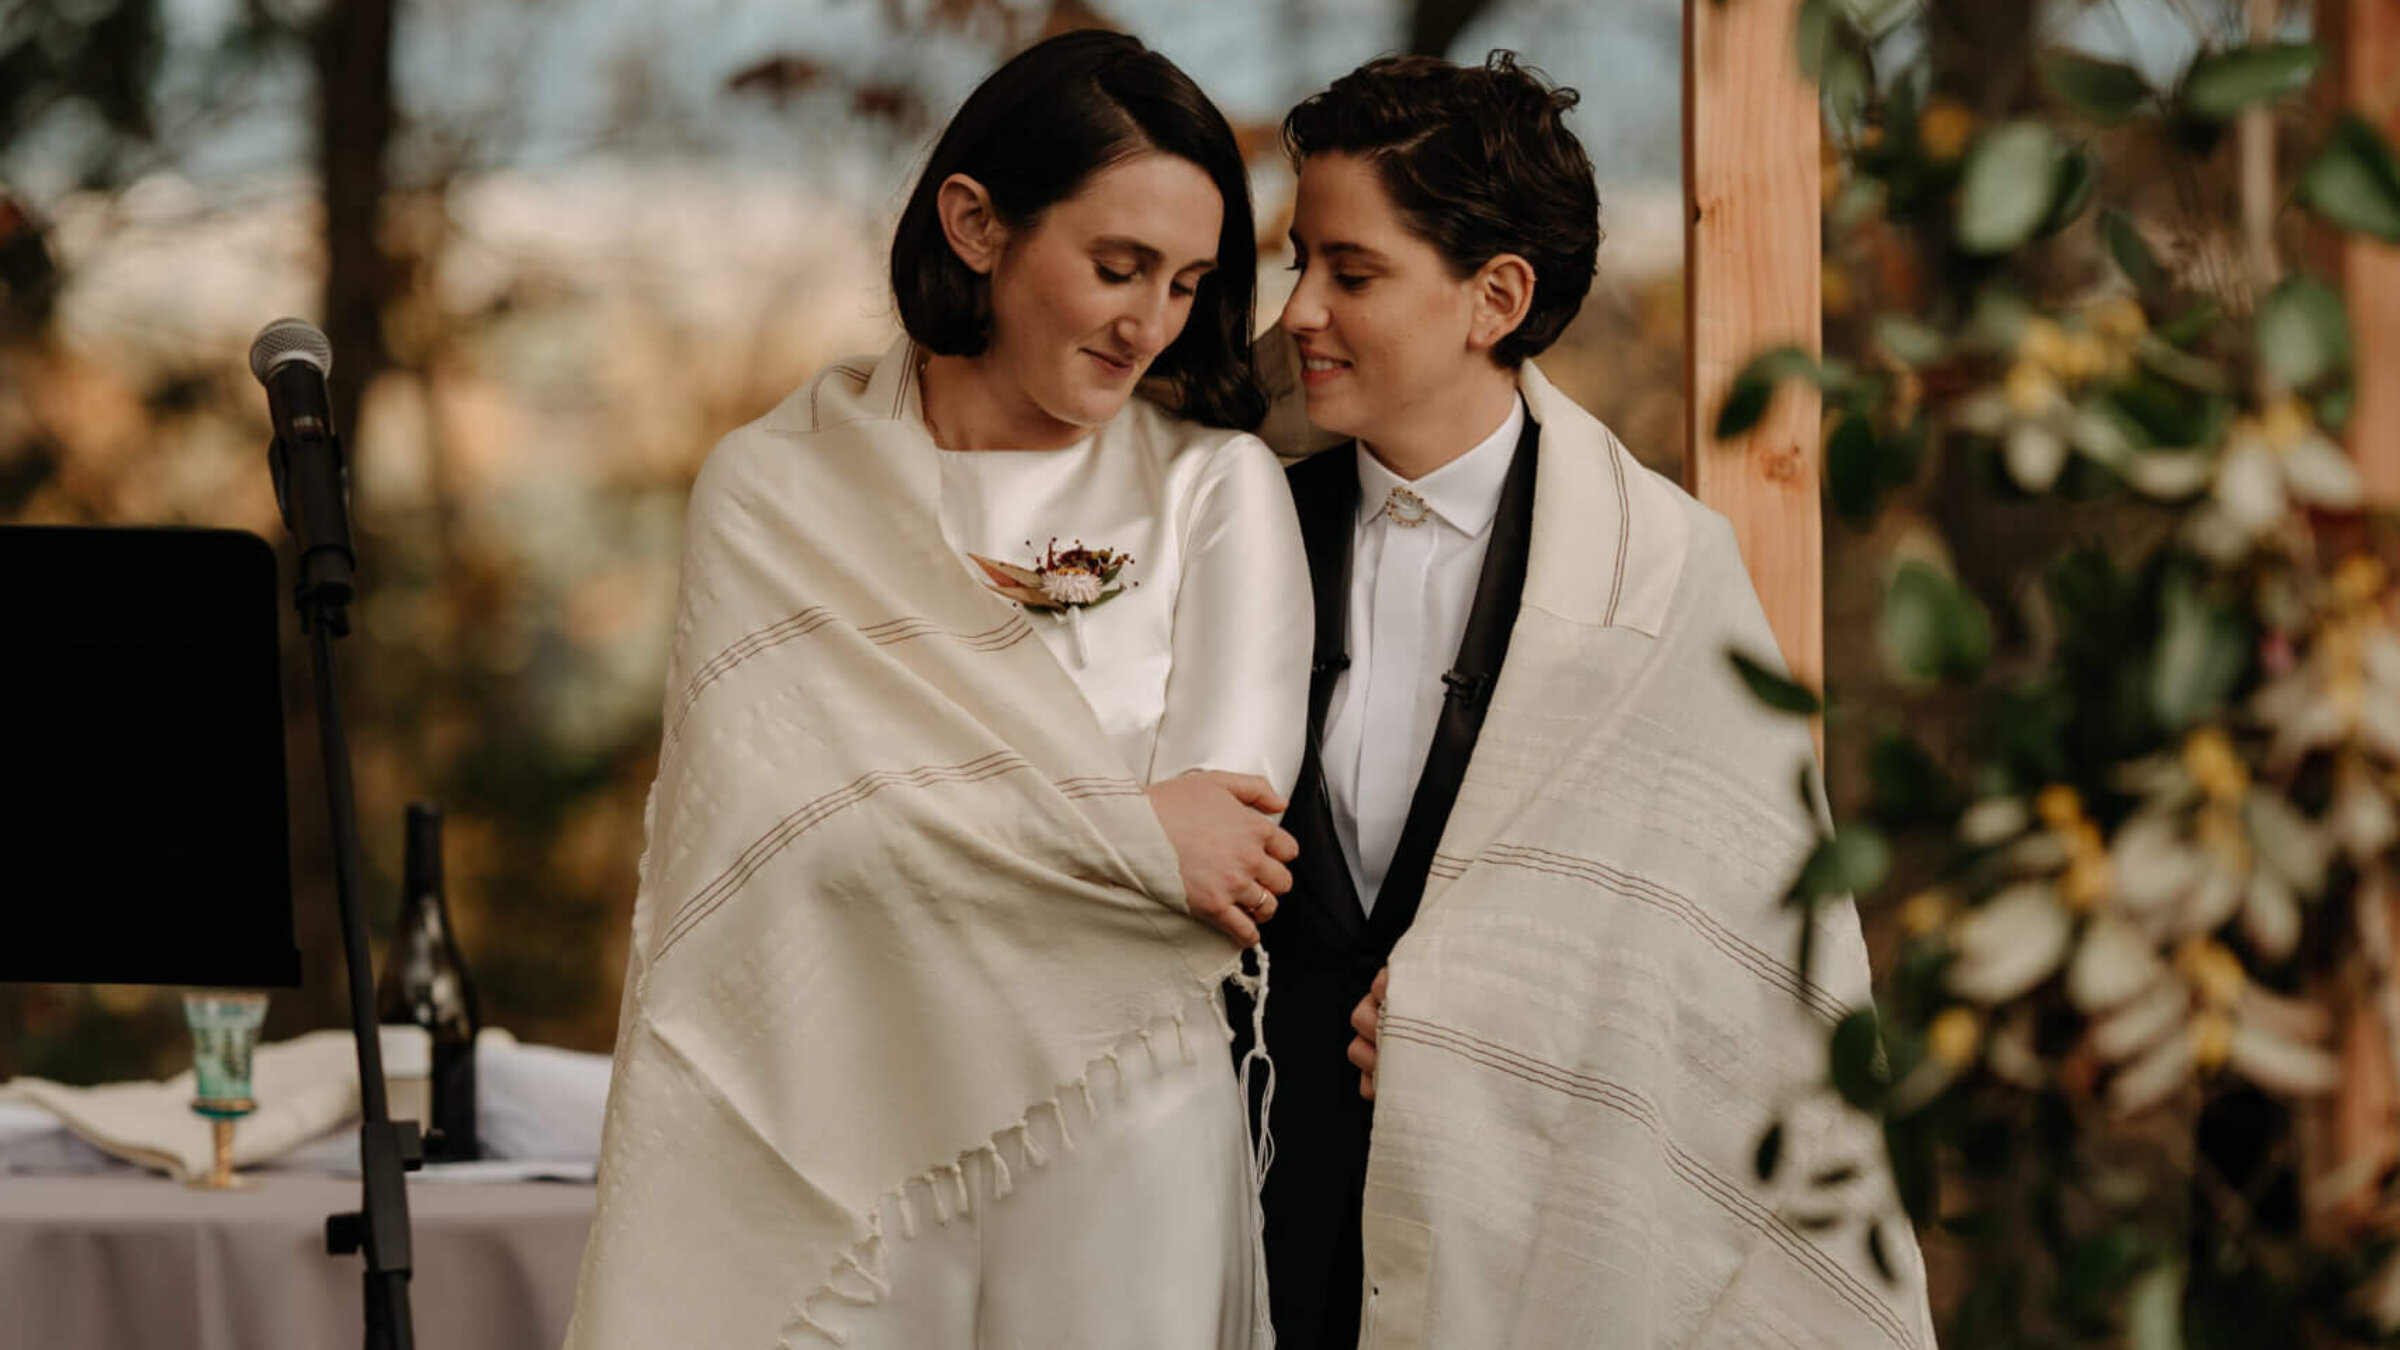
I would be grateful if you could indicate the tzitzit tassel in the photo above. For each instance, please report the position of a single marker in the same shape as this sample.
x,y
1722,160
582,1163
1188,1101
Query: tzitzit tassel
x,y
966,1198
1002,1183
1150,1044
1090,1111
1256,987
804,1321
1183,1043
1033,1149
941,1207
1066,1136
908,1214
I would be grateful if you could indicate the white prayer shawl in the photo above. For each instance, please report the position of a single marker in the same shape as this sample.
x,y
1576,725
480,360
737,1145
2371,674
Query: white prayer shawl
x,y
1596,1012
900,897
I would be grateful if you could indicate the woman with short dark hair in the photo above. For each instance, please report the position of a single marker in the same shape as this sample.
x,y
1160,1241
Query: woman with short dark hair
x,y
1544,829
988,679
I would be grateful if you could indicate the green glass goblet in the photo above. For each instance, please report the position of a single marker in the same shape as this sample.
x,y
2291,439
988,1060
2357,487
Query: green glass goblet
x,y
224,1032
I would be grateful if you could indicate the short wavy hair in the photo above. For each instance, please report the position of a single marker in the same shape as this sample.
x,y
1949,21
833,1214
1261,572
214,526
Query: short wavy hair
x,y
1033,133
1479,162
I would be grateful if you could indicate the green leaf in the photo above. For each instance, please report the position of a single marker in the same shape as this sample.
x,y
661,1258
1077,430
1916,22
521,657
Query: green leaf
x,y
1774,690
2103,91
2202,653
2333,410
1855,1061
1877,18
2191,325
1812,34
1931,628
2133,256
1854,470
1909,1143
1852,861
1914,343
1909,787
1770,1152
2012,180
1848,85
2070,192
2154,1309
1754,388
2221,84
2099,1266
2355,181
2304,332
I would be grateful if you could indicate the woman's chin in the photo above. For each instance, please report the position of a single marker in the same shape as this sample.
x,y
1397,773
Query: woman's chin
x,y
1088,408
1333,414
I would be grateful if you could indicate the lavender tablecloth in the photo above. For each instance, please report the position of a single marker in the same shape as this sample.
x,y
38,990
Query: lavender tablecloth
x,y
136,1262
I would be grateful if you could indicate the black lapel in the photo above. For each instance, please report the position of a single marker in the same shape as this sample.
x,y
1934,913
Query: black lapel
x,y
1481,649
1325,494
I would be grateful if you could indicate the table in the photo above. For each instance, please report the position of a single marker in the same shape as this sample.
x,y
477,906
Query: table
x,y
123,1262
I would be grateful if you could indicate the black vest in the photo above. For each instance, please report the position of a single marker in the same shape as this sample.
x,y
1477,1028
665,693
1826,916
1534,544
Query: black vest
x,y
1325,946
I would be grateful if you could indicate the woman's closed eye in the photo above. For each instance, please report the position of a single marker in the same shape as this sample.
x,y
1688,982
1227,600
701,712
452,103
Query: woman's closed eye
x,y
1353,282
1180,289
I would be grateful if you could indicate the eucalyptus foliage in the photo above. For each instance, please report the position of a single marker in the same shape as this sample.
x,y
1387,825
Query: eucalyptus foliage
x,y
2139,846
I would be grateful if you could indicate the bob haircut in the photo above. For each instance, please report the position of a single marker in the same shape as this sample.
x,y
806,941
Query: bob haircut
x,y
1033,134
1479,162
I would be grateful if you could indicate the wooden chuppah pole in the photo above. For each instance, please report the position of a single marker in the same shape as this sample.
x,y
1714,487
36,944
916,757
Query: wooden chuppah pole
x,y
1751,282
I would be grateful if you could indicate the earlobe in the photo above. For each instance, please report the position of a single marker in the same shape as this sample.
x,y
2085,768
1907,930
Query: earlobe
x,y
969,223
1503,297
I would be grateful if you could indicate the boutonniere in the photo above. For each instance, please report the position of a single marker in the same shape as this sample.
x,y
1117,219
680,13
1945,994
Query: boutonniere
x,y
1066,583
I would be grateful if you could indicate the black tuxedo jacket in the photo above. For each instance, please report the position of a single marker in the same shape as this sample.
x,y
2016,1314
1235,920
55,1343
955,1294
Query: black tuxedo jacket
x,y
1324,946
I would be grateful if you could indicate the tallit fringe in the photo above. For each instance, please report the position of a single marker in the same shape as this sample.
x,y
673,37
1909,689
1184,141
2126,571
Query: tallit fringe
x,y
861,1278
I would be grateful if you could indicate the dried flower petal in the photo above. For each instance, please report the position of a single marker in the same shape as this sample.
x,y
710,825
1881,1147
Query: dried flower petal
x,y
2360,818
2114,964
1993,820
2035,454
2280,1064
2009,945
2321,475
2250,486
2217,897
2271,915
2152,863
2138,1025
2154,1077
2287,841
2292,1018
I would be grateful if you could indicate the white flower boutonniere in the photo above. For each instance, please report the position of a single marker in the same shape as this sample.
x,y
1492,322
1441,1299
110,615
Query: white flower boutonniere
x,y
1066,583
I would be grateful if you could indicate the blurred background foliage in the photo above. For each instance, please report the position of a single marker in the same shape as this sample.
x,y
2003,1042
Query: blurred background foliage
x,y
2116,731
560,246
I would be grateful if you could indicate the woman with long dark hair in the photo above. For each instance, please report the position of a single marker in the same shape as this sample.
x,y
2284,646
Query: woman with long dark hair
x,y
988,678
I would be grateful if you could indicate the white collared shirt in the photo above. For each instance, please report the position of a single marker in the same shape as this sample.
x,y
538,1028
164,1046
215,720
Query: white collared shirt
x,y
1411,589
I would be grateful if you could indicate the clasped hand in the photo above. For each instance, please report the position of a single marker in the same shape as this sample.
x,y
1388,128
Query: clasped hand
x,y
1230,850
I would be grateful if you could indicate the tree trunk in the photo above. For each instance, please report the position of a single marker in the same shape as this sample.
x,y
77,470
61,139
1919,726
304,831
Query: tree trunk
x,y
1434,24
352,53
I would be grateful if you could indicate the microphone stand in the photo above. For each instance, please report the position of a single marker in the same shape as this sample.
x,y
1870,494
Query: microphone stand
x,y
313,511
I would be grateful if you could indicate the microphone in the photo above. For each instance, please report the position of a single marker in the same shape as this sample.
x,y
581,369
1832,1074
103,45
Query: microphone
x,y
312,477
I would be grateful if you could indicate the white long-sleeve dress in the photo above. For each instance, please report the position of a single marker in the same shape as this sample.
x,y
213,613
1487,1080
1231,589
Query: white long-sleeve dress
x,y
1144,1234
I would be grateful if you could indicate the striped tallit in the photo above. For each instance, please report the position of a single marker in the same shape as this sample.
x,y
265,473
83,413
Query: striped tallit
x,y
1596,1014
900,899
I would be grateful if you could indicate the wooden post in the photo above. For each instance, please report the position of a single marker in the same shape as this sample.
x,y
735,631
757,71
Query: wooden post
x,y
1751,264
2351,1138
2363,39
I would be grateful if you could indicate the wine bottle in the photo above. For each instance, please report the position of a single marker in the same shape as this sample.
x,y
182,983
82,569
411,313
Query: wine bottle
x,y
425,984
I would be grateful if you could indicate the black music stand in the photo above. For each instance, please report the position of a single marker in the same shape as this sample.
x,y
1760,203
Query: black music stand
x,y
143,803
